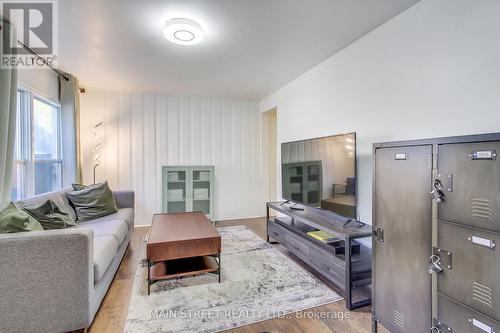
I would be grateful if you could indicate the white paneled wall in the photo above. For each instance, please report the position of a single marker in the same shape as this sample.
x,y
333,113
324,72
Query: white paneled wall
x,y
143,132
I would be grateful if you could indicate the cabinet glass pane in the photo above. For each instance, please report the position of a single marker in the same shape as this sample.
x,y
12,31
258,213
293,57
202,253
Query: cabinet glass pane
x,y
201,175
201,185
201,191
201,206
176,189
176,206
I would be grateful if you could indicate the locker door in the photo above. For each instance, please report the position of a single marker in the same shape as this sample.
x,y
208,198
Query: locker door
x,y
402,285
473,278
470,175
461,319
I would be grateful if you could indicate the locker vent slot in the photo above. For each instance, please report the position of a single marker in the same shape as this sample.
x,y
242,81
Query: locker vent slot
x,y
482,208
482,294
399,319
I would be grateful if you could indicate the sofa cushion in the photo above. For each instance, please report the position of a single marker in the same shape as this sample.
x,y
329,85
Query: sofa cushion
x,y
116,228
126,214
92,202
105,249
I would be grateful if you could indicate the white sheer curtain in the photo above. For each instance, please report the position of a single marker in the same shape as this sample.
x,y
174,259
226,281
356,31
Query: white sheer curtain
x,y
8,100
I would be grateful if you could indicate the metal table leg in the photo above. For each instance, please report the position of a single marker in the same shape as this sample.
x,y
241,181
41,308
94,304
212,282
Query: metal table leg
x,y
374,325
149,276
267,223
220,266
348,288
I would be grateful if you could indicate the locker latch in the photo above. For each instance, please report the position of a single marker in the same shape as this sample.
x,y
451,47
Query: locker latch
x,y
378,234
442,259
437,192
439,327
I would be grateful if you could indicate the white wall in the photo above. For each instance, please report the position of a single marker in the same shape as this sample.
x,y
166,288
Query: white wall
x,y
43,82
143,132
432,71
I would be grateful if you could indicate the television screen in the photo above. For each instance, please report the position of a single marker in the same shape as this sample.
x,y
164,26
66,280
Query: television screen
x,y
321,173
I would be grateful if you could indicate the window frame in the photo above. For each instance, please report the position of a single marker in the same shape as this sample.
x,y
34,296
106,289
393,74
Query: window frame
x,y
24,154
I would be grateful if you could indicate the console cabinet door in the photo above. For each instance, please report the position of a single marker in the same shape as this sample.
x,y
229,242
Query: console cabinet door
x,y
402,209
175,189
201,191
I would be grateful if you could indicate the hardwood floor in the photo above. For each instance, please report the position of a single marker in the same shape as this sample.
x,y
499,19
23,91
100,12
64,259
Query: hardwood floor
x,y
113,312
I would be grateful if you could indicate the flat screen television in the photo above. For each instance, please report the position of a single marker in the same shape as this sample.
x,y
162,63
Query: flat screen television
x,y
321,173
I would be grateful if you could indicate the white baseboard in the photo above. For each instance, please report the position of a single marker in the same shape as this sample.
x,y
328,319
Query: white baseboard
x,y
217,220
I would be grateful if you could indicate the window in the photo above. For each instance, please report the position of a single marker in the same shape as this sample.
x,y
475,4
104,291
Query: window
x,y
37,156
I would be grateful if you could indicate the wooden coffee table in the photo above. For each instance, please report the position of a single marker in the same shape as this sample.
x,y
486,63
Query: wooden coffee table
x,y
182,244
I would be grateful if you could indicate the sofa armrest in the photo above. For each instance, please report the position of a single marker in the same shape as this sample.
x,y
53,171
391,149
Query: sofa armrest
x,y
124,199
45,280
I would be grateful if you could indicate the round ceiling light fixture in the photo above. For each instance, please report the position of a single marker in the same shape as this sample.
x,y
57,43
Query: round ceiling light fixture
x,y
183,31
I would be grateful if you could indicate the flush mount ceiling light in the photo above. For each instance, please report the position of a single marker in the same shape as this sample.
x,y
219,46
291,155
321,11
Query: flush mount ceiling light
x,y
183,31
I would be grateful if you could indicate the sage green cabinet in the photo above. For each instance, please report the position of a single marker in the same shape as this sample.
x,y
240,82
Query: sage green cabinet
x,y
188,189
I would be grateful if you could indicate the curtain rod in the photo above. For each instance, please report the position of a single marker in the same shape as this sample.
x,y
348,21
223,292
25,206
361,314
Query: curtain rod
x,y
43,60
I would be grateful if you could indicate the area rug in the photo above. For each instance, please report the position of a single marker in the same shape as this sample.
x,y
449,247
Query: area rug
x,y
258,283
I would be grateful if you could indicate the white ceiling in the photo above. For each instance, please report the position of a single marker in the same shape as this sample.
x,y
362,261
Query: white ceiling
x,y
252,47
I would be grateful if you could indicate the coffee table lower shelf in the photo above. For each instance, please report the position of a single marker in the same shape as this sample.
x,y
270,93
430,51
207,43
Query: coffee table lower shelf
x,y
168,269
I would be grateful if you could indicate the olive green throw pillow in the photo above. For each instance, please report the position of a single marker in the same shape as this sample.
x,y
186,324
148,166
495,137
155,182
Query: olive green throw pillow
x,y
92,202
13,219
78,187
50,216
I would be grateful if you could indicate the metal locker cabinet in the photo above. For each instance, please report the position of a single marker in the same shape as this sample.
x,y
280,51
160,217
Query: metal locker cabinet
x,y
470,175
402,238
473,275
456,318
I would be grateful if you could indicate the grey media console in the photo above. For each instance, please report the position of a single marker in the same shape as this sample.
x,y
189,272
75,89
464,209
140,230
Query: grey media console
x,y
348,267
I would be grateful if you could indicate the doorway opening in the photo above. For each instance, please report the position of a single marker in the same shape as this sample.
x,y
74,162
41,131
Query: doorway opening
x,y
269,123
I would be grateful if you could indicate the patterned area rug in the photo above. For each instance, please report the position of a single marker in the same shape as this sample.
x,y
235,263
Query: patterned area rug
x,y
258,283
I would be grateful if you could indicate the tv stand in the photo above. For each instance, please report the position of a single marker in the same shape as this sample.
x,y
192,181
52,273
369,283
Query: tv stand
x,y
294,205
343,261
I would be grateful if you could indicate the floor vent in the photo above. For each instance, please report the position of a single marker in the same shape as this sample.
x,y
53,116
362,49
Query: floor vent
x,y
482,294
399,319
482,208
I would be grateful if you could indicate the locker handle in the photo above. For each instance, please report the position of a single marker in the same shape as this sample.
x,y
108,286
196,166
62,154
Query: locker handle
x,y
489,243
482,326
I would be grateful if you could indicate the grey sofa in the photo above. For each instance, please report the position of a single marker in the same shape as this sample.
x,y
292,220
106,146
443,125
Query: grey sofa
x,y
55,280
